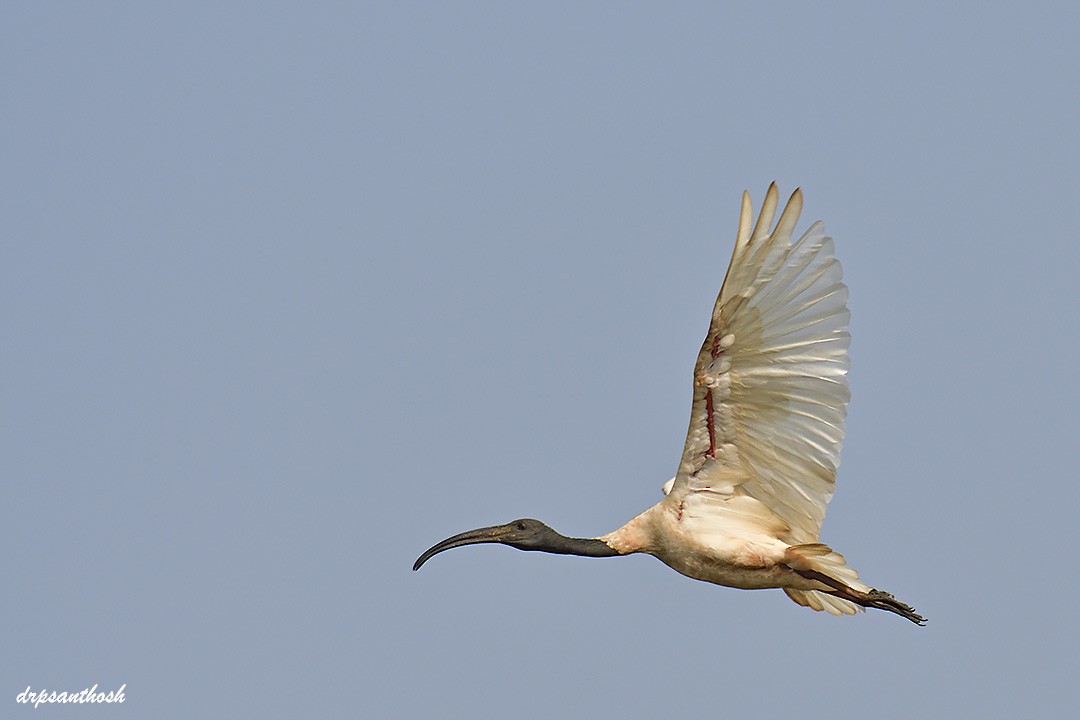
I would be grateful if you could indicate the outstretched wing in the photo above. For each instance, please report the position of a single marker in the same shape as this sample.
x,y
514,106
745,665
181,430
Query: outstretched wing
x,y
770,385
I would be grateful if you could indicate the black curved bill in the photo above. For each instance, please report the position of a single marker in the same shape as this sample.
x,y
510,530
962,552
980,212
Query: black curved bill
x,y
492,534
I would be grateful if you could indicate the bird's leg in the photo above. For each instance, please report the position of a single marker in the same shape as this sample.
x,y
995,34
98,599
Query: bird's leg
x,y
874,599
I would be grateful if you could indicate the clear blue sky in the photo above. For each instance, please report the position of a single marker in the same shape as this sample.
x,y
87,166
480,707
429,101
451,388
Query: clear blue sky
x,y
290,292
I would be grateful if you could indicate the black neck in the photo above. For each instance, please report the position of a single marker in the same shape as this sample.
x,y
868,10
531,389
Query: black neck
x,y
587,547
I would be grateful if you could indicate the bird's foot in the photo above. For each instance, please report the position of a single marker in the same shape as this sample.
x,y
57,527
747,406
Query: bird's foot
x,y
885,601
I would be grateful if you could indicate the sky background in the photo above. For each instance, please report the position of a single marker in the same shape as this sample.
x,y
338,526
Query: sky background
x,y
290,292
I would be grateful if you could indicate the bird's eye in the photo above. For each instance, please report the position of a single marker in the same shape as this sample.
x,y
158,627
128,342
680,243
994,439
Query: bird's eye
x,y
521,526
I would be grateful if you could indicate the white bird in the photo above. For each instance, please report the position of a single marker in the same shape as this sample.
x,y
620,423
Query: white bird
x,y
766,425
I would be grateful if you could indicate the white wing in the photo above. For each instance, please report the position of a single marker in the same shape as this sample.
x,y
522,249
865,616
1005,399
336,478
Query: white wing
x,y
770,386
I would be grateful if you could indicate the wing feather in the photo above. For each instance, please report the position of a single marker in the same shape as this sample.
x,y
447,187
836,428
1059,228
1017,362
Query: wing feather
x,y
770,382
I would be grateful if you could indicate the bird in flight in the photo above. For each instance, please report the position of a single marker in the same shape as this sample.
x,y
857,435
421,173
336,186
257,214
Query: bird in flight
x,y
766,425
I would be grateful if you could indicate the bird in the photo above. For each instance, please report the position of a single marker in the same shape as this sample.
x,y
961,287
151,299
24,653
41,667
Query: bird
x,y
759,464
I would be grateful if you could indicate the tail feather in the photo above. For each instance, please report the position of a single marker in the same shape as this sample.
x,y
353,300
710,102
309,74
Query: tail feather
x,y
819,558
820,601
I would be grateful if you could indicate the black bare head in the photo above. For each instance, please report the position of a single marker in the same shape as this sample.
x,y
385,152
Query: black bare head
x,y
524,534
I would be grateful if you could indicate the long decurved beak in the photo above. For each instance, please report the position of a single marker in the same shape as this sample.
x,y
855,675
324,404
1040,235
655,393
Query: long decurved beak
x,y
493,534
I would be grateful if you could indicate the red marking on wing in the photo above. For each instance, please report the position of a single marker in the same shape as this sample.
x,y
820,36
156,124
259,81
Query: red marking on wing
x,y
710,419
716,345
710,423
